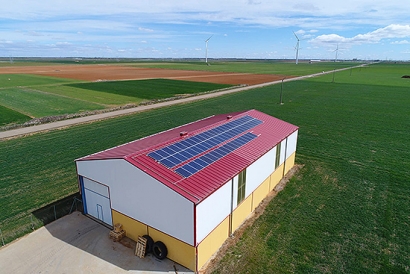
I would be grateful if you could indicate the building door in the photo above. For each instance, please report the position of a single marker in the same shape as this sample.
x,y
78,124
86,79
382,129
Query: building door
x,y
96,200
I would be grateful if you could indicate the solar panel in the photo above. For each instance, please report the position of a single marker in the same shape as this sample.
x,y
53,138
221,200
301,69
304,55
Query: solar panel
x,y
177,153
214,155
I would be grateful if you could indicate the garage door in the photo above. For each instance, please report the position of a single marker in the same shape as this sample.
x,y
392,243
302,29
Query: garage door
x,y
97,200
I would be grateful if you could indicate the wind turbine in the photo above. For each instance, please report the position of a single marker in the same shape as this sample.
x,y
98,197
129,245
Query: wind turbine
x,y
297,48
336,50
206,51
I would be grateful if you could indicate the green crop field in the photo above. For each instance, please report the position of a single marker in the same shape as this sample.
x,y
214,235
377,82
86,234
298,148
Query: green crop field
x,y
22,93
27,80
346,211
10,116
150,89
38,96
103,98
35,103
260,67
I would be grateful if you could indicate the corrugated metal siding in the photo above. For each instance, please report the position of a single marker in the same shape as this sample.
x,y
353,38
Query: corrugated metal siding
x,y
206,181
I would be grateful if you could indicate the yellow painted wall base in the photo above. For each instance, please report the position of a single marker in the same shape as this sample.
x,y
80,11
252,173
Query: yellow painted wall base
x,y
260,193
290,162
132,228
213,242
276,177
178,251
241,212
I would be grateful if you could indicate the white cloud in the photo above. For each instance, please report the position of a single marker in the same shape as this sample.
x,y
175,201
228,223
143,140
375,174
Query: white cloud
x,y
145,29
6,42
391,31
122,23
63,44
402,42
254,2
306,34
315,12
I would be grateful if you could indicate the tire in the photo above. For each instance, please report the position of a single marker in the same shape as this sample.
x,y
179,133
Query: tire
x,y
150,243
159,250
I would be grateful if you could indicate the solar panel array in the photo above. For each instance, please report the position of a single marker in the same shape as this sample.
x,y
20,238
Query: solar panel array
x,y
216,154
177,153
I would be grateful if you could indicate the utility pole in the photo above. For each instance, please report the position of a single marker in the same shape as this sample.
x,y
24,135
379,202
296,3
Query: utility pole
x,y
281,92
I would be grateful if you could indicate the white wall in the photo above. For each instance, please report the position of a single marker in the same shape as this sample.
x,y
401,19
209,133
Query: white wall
x,y
292,142
273,150
235,191
282,152
139,196
212,211
257,172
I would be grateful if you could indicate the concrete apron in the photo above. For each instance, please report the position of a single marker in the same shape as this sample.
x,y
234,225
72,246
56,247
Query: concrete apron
x,y
77,244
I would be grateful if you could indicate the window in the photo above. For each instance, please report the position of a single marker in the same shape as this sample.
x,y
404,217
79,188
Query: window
x,y
277,160
241,186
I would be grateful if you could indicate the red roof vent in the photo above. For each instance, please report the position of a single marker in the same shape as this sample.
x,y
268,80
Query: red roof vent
x,y
183,133
228,117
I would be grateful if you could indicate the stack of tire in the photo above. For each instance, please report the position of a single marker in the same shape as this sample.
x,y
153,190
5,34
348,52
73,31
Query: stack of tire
x,y
158,249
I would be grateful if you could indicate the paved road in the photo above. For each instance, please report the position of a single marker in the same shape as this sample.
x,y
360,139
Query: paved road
x,y
30,130
77,244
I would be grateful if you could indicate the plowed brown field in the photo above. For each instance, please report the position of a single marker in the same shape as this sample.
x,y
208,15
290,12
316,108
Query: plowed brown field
x,y
110,72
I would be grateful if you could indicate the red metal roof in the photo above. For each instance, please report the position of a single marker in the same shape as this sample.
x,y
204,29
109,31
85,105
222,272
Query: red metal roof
x,y
204,182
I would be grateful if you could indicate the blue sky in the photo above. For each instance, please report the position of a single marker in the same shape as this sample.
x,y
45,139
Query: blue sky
x,y
363,29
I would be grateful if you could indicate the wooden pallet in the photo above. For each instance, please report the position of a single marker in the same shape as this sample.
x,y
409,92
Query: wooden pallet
x,y
118,228
117,236
141,247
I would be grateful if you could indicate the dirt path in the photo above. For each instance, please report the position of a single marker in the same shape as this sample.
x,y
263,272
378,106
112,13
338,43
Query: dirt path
x,y
49,126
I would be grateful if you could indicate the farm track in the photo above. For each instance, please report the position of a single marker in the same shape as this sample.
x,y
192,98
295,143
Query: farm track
x,y
65,123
